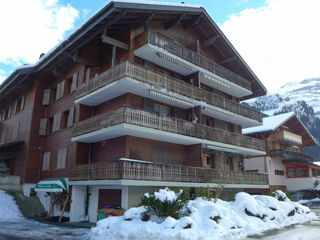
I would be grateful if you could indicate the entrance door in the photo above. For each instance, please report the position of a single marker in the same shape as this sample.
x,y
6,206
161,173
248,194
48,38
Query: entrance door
x,y
111,197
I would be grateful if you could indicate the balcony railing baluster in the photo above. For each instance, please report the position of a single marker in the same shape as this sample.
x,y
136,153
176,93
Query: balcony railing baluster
x,y
159,80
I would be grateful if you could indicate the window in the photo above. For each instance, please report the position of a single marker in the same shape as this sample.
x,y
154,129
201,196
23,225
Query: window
x,y
50,125
207,121
18,105
298,171
68,86
279,172
208,160
315,172
229,163
161,109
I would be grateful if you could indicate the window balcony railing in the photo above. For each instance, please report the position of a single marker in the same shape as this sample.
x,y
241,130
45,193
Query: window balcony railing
x,y
165,43
290,155
163,81
163,172
167,124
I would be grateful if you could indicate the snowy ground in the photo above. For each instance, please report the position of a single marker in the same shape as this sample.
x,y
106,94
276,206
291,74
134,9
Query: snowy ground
x,y
13,226
247,215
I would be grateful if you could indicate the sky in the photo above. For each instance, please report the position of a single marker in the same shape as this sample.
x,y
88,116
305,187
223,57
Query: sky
x,y
279,39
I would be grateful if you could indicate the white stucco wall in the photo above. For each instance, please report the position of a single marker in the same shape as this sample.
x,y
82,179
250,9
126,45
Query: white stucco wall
x,y
272,165
295,184
78,204
256,163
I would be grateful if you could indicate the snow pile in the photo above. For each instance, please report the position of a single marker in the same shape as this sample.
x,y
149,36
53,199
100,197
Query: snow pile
x,y
309,202
8,207
317,188
205,219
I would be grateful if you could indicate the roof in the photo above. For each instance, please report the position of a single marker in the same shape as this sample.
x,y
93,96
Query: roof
x,y
270,124
107,14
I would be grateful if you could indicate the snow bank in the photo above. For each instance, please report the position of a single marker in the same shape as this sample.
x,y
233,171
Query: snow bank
x,y
247,215
8,207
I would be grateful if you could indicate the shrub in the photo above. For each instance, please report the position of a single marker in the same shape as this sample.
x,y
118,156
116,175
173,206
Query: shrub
x,y
205,193
164,203
282,196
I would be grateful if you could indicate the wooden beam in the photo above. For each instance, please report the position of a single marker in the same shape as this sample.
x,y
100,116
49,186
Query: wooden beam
x,y
210,41
193,22
114,42
101,29
174,21
228,60
145,20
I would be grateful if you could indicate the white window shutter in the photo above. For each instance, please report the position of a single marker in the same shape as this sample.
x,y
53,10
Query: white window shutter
x,y
23,98
56,122
88,71
46,96
62,88
14,110
70,117
46,161
58,92
74,82
43,126
9,111
62,157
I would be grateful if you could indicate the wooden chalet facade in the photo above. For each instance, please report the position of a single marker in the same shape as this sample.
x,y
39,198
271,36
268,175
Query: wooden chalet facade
x,y
140,96
285,163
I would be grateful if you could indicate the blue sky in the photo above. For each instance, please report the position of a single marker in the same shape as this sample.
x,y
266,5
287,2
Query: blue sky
x,y
277,38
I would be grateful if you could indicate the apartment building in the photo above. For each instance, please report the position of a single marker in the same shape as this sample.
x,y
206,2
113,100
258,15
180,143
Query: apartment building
x,y
140,96
285,163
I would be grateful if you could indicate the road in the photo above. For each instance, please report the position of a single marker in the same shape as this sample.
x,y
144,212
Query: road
x,y
307,231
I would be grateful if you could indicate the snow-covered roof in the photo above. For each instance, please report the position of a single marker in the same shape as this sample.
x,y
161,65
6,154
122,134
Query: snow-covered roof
x,y
269,123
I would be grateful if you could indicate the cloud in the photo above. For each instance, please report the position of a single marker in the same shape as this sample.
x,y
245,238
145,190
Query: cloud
x,y
279,41
28,28
2,75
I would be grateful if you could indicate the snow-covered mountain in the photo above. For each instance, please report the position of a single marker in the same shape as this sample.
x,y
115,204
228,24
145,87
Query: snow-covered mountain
x,y
307,90
303,98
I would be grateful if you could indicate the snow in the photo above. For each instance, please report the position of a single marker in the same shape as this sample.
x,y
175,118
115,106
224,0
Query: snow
x,y
8,207
247,215
270,123
306,202
307,90
165,195
317,188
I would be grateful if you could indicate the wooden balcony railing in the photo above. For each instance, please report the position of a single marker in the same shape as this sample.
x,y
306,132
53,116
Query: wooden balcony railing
x,y
290,155
162,172
176,49
159,80
168,124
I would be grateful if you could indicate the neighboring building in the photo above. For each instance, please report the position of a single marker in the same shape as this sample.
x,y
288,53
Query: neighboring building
x,y
285,163
140,96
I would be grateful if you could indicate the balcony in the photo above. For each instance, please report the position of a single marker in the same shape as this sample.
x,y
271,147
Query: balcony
x,y
135,122
290,155
163,51
162,172
160,87
288,137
